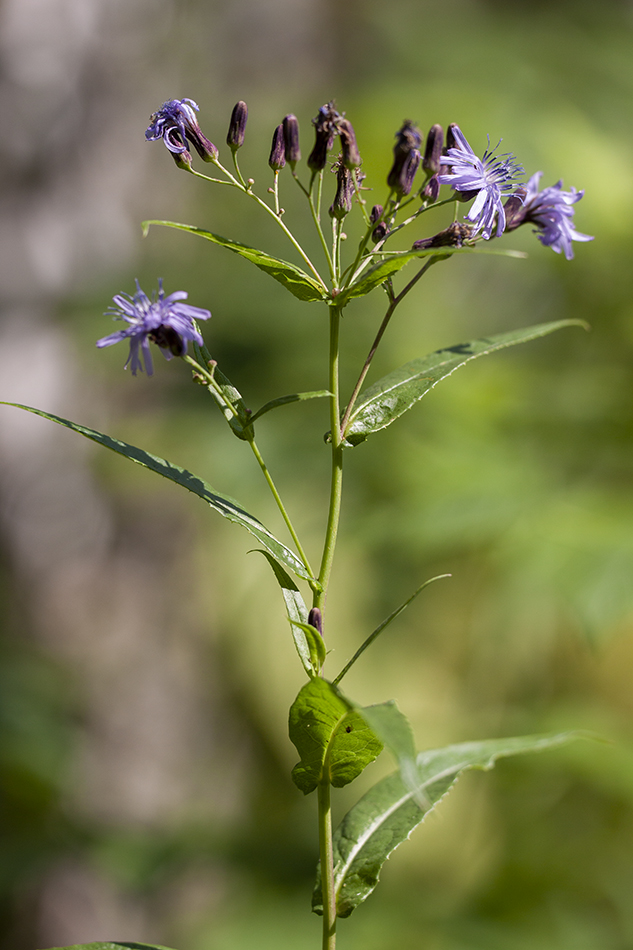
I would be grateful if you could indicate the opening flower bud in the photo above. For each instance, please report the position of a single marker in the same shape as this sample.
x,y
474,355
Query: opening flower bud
x,y
237,126
351,155
408,140
433,150
325,126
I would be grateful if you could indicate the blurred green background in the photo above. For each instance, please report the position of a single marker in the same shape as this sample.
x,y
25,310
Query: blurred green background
x,y
147,667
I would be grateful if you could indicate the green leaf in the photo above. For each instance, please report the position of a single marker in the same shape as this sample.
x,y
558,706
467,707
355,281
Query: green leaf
x,y
240,423
316,645
286,400
116,945
294,279
380,272
387,814
226,506
391,396
376,633
297,615
394,731
333,740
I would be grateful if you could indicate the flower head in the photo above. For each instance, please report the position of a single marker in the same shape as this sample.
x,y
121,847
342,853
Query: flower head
x,y
161,320
552,211
176,124
486,179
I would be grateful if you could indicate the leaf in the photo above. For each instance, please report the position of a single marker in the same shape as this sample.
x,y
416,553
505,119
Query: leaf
x,y
116,945
297,615
286,400
394,730
316,645
376,633
294,279
333,740
380,272
391,396
387,814
226,506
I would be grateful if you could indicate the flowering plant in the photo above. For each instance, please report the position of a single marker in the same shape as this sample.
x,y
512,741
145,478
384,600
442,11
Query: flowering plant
x,y
337,738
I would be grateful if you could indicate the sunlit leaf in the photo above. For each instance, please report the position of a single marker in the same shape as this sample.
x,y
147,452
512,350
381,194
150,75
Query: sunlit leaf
x,y
378,273
387,814
294,279
391,396
286,400
297,615
223,504
334,742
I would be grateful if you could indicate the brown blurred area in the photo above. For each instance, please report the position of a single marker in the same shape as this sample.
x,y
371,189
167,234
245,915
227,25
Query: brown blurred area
x,y
146,667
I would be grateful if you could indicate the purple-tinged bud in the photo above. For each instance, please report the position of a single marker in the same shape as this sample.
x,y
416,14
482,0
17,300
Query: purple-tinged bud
x,y
453,236
351,155
515,210
342,204
182,159
380,232
408,139
376,214
431,190
315,619
433,149
277,158
291,139
176,124
325,125
451,141
409,169
237,126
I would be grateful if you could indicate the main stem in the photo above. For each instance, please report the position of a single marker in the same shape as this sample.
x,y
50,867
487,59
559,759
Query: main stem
x,y
327,867
336,483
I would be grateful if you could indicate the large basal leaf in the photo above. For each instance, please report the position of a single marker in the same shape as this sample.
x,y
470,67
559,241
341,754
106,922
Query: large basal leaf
x,y
334,742
294,279
391,396
298,617
385,817
226,506
116,945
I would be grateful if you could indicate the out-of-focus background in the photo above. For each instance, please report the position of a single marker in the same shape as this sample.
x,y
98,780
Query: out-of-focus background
x,y
146,666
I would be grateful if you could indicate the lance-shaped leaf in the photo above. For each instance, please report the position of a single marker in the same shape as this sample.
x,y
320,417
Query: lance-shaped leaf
x,y
226,506
293,278
394,730
391,396
387,814
308,647
115,945
334,741
286,400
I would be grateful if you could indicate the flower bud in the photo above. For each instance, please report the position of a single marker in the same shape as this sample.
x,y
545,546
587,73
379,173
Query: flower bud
x,y
408,139
433,149
376,214
451,141
291,140
182,159
277,158
514,209
325,126
409,169
342,204
453,236
237,126
351,155
315,619
432,189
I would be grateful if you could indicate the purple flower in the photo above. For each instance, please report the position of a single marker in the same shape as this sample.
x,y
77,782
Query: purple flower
x,y
176,123
551,210
486,179
162,320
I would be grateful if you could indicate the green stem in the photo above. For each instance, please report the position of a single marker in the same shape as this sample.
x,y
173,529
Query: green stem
x,y
336,484
326,851
284,513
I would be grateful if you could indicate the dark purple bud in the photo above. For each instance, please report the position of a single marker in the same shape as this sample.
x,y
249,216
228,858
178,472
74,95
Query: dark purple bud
x,y
315,619
451,141
351,155
342,203
432,189
515,210
433,150
409,169
376,214
380,232
408,139
453,236
291,139
277,158
325,128
237,126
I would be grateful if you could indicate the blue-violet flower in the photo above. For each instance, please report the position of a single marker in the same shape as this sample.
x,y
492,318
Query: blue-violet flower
x,y
161,320
176,123
552,211
486,179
